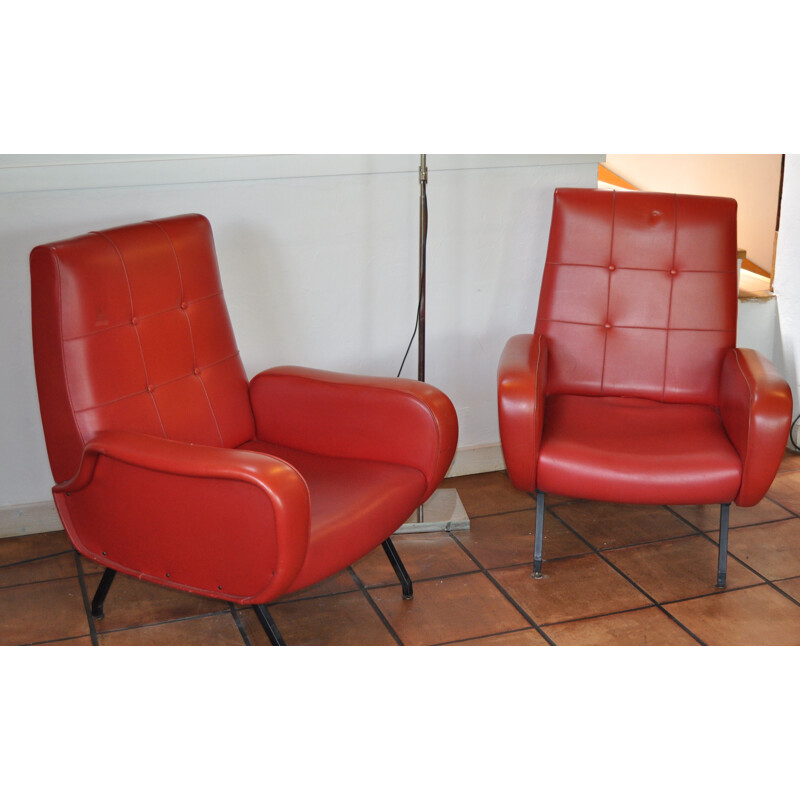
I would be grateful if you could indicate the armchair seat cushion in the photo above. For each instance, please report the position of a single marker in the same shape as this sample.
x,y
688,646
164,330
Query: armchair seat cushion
x,y
350,499
633,450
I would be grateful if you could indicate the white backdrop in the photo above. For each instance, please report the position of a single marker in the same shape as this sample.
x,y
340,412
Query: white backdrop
x,y
319,259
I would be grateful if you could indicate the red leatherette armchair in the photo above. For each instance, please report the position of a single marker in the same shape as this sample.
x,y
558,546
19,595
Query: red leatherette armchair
x,y
631,388
171,467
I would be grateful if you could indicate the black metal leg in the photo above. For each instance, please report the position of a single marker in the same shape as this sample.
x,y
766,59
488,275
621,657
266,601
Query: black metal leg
x,y
271,629
537,540
722,566
102,590
399,568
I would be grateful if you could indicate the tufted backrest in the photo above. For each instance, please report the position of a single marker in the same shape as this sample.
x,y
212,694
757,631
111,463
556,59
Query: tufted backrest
x,y
131,332
639,294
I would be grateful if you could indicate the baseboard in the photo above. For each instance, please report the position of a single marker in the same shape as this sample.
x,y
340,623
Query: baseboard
x,y
43,517
30,518
481,458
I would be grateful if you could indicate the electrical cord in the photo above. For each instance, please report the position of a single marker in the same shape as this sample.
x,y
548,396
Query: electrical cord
x,y
791,434
422,271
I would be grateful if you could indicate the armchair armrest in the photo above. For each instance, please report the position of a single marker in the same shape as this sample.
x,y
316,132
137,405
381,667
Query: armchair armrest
x,y
756,410
392,420
226,523
521,383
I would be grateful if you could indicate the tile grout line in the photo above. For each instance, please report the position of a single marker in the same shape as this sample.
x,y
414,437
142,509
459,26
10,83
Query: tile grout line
x,y
34,559
374,605
764,579
632,582
478,638
156,623
239,624
483,570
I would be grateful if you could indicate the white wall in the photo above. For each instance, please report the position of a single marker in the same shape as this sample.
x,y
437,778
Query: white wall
x,y
319,259
787,278
752,179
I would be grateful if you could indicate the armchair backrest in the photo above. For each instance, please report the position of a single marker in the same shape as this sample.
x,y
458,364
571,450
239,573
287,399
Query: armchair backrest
x,y
639,294
131,333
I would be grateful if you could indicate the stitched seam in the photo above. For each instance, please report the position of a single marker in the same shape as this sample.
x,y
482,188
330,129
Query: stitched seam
x,y
138,338
170,310
155,386
637,327
669,313
72,409
191,332
635,269
608,296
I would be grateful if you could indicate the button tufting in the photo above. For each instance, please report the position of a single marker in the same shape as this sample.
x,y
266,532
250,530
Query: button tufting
x,y
607,325
135,321
184,304
673,272
196,370
151,388
611,267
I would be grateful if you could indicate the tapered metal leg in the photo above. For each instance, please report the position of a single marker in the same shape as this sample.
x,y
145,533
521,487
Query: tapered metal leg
x,y
271,629
722,566
538,538
399,568
102,590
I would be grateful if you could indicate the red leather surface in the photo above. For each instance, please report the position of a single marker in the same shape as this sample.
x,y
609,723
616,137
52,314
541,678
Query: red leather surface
x,y
221,522
114,298
522,381
144,402
756,408
351,499
647,399
633,450
639,294
376,419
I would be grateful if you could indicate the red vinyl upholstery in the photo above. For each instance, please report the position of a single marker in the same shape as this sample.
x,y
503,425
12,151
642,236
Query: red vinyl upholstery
x,y
631,387
171,466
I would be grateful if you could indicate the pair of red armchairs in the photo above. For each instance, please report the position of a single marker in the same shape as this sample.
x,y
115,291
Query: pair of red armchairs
x,y
172,467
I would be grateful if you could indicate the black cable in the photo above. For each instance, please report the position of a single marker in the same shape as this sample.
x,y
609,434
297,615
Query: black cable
x,y
423,268
791,434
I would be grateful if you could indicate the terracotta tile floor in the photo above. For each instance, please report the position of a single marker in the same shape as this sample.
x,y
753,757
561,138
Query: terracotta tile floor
x,y
613,575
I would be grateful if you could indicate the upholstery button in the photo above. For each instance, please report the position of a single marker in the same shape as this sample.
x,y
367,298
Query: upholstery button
x,y
673,272
196,370
184,304
135,321
611,267
607,325
150,388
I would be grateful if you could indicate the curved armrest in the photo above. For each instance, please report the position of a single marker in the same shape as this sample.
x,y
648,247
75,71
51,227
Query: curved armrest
x,y
521,383
756,410
392,420
225,523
